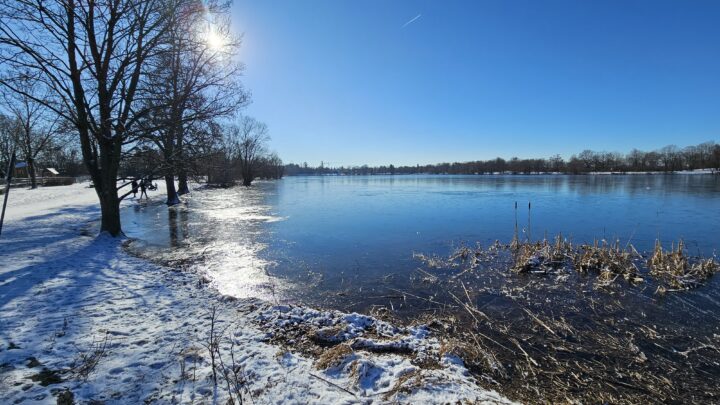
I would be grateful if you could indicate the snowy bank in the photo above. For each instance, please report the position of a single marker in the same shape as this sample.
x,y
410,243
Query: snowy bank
x,y
81,319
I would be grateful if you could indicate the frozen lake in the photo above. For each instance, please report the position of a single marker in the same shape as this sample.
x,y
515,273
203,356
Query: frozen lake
x,y
333,239
347,243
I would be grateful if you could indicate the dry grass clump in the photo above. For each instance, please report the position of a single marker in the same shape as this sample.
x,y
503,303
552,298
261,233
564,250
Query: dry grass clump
x,y
606,260
475,357
329,335
462,256
406,384
333,356
463,253
675,268
432,262
540,257
609,261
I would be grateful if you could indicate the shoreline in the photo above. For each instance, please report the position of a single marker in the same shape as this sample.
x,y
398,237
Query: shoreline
x,y
650,173
83,319
95,318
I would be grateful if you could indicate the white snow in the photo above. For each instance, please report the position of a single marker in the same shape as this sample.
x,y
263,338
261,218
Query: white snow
x,y
23,203
696,171
118,329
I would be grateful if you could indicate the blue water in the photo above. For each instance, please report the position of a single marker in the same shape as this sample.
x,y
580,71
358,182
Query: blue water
x,y
326,231
347,243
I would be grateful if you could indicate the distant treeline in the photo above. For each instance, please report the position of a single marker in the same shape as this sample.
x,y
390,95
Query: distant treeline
x,y
668,159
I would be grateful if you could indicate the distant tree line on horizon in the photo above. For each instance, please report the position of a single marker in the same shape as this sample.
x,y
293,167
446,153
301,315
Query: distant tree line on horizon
x,y
667,159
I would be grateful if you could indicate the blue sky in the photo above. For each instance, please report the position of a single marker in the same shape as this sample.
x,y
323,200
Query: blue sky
x,y
353,82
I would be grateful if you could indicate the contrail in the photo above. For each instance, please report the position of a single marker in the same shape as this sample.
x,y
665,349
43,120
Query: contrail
x,y
412,20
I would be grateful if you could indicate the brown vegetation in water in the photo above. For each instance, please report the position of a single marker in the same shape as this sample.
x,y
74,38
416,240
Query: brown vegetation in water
x,y
555,322
676,269
608,261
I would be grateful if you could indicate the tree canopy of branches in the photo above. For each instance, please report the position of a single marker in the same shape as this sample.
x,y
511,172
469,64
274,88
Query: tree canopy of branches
x,y
34,125
248,142
8,128
57,151
90,57
668,159
242,154
127,76
193,81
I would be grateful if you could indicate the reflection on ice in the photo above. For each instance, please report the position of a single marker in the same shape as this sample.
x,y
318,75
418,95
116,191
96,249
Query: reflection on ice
x,y
216,233
237,270
347,242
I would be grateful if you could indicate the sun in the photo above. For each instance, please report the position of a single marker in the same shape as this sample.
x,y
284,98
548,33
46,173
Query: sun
x,y
215,40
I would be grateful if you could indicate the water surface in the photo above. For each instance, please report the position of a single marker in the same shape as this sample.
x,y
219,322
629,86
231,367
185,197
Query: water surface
x,y
348,242
337,240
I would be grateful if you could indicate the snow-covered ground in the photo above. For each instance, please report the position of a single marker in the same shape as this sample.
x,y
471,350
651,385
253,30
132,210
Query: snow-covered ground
x,y
80,317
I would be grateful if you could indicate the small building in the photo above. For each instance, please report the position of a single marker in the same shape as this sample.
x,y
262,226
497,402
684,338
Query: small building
x,y
49,172
21,170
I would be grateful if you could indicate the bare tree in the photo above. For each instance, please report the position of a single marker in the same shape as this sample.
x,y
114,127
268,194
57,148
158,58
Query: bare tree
x,y
669,158
271,166
8,127
248,142
588,159
35,124
90,56
64,155
556,163
194,79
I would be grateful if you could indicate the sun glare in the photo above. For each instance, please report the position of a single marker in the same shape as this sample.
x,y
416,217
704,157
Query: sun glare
x,y
214,39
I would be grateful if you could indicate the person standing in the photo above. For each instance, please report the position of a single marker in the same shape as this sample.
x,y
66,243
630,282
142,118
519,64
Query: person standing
x,y
143,189
134,186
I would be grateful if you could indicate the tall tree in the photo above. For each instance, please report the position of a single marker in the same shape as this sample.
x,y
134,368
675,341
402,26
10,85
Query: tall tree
x,y
194,79
715,158
8,127
669,157
35,124
248,140
90,56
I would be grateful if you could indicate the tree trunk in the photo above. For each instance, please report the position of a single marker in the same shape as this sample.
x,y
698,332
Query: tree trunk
x,y
246,171
183,182
106,188
247,179
172,195
110,210
105,182
31,172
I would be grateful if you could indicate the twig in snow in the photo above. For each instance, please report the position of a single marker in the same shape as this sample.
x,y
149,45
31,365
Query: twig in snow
x,y
333,384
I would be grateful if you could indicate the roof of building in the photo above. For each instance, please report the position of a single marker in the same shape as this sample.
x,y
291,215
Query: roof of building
x,y
52,170
20,165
